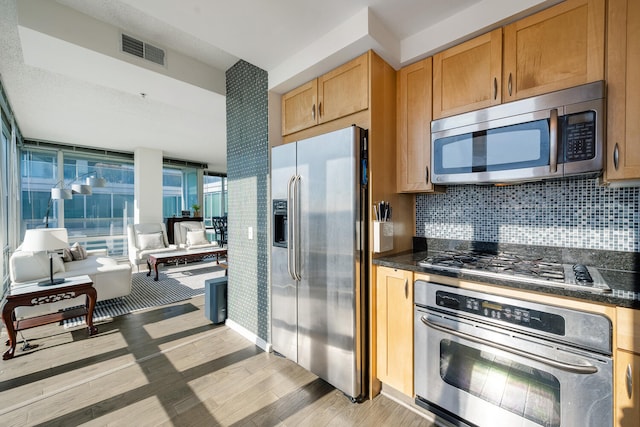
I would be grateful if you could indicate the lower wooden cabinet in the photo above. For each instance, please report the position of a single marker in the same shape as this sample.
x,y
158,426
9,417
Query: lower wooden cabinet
x,y
627,389
626,375
394,325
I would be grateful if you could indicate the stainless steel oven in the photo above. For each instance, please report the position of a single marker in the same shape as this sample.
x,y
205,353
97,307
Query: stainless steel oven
x,y
487,360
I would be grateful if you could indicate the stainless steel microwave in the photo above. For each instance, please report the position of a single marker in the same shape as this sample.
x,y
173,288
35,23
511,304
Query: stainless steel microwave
x,y
549,136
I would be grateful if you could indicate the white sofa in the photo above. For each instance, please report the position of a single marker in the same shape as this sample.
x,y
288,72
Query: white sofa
x,y
110,279
191,235
146,239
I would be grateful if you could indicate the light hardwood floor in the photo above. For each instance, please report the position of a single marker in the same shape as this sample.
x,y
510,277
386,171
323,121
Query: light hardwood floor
x,y
170,366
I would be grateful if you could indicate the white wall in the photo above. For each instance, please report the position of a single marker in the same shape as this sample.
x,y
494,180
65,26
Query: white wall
x,y
64,23
147,185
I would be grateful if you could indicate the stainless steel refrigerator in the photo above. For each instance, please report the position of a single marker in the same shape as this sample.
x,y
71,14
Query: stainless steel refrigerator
x,y
318,264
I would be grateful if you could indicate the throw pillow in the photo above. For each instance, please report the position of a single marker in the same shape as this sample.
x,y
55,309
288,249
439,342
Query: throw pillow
x,y
150,241
196,237
58,264
186,227
66,255
78,252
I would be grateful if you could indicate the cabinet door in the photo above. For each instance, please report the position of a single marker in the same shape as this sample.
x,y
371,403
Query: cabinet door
x,y
414,127
623,87
627,395
345,90
394,314
467,77
558,48
299,108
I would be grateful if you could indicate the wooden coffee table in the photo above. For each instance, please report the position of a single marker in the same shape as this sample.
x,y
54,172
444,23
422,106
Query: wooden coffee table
x,y
32,294
183,256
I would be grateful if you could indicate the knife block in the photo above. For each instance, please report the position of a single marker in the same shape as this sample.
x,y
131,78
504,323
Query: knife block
x,y
382,236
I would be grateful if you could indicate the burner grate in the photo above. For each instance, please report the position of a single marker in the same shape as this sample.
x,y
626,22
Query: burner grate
x,y
501,263
508,266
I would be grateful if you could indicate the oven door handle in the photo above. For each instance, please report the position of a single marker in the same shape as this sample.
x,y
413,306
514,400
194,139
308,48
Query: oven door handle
x,y
569,367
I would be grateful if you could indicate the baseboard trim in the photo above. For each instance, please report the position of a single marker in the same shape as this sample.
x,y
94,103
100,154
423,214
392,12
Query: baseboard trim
x,y
249,335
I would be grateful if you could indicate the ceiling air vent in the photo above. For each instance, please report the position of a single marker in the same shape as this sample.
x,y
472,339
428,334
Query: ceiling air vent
x,y
142,50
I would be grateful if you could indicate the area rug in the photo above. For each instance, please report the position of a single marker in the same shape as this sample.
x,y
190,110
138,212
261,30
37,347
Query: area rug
x,y
176,283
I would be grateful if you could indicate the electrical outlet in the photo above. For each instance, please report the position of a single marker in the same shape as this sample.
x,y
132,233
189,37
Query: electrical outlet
x,y
250,233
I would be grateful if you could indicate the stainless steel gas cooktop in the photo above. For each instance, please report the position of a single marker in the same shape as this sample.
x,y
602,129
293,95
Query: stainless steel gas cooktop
x,y
507,266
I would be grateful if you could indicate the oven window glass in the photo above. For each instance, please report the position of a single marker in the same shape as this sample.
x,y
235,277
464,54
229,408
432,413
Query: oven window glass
x,y
523,390
509,147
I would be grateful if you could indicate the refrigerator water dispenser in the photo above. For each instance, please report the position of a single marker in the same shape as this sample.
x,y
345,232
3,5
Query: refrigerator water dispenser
x,y
280,223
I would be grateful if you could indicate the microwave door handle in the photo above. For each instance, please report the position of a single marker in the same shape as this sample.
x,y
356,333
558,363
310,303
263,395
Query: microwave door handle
x,y
569,367
553,140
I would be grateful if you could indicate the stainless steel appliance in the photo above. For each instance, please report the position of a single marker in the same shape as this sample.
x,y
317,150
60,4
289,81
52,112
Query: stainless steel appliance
x,y
548,136
318,267
514,267
487,360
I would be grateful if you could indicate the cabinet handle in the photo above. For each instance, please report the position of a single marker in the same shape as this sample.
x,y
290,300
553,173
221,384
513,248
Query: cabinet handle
x,y
495,88
320,109
616,156
406,288
313,112
426,175
629,381
509,85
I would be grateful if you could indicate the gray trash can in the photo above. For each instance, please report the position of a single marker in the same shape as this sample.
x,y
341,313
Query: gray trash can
x,y
215,299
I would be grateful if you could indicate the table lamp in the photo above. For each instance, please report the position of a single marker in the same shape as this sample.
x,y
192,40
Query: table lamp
x,y
46,240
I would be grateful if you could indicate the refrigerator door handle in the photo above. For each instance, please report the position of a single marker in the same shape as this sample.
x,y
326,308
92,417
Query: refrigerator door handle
x,y
296,227
290,227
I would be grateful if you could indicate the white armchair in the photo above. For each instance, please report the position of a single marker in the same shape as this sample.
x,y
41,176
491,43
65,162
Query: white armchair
x,y
145,239
191,235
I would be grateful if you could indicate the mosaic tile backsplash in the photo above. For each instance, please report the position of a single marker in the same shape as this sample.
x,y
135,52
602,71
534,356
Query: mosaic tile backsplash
x,y
574,213
247,173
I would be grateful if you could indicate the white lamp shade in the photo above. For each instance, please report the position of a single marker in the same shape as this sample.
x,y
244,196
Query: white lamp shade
x,y
45,239
81,189
97,182
61,193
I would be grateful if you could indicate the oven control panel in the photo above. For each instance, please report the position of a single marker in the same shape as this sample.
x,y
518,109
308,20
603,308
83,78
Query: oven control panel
x,y
485,308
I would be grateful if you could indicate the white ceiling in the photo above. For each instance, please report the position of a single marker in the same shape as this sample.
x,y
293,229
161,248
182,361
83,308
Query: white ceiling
x,y
68,82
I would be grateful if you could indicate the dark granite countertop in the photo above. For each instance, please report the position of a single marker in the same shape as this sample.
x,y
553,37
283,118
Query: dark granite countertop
x,y
619,269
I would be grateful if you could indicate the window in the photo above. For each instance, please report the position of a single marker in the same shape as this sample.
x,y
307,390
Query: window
x,y
4,209
179,190
215,196
39,171
108,210
98,220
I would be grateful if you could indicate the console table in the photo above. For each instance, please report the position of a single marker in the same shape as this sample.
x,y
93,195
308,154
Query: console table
x,y
33,294
180,256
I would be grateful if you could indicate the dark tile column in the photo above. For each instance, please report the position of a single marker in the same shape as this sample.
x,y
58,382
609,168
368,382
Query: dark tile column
x,y
247,173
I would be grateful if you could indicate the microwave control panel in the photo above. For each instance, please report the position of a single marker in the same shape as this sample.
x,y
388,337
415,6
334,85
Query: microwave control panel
x,y
580,136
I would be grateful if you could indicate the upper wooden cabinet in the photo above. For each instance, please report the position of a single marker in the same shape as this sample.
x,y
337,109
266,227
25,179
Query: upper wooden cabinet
x,y
557,48
299,108
414,127
468,76
623,87
340,92
344,90
394,326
